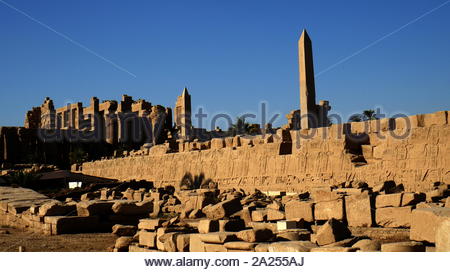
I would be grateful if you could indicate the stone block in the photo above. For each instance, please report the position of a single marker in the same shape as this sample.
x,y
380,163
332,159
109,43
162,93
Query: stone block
x,y
411,199
218,237
223,209
159,233
333,249
319,194
217,143
122,243
332,231
388,200
262,247
195,243
264,225
214,247
207,226
259,215
94,207
132,208
294,235
297,210
124,230
442,237
410,246
73,224
246,215
169,241
424,223
394,217
57,209
244,246
367,245
284,225
183,242
329,209
437,118
291,246
147,238
358,210
149,224
231,225
252,235
275,215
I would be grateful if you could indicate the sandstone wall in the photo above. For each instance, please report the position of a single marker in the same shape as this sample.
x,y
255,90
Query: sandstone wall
x,y
327,158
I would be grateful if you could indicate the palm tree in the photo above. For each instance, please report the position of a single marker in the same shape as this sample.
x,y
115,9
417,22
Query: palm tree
x,y
242,127
370,115
364,116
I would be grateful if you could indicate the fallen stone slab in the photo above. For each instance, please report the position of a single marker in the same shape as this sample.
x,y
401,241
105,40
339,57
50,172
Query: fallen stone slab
x,y
367,245
297,210
343,243
207,226
291,246
443,236
333,249
388,200
293,235
284,225
245,246
332,231
56,208
133,208
94,207
195,243
252,235
262,247
394,217
231,224
319,194
329,209
410,246
124,230
150,224
264,225
412,199
259,215
123,243
358,210
73,224
169,241
275,215
218,237
215,247
137,248
183,242
19,206
223,209
424,222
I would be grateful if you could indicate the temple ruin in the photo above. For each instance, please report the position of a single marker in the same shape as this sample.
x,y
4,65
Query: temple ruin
x,y
309,186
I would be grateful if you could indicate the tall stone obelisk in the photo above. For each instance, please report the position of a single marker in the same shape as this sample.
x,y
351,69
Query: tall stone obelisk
x,y
308,108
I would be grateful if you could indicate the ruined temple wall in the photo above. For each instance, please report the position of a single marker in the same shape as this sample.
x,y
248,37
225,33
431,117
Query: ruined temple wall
x,y
416,161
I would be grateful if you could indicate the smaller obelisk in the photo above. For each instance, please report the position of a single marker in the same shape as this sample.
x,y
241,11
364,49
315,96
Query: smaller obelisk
x,y
183,114
307,86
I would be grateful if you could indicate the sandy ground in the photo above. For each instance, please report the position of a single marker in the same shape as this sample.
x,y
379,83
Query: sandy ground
x,y
32,242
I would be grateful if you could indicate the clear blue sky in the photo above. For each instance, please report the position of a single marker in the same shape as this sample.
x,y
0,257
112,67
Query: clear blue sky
x,y
230,54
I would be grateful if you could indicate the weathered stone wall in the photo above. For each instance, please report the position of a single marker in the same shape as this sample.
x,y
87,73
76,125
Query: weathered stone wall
x,y
325,159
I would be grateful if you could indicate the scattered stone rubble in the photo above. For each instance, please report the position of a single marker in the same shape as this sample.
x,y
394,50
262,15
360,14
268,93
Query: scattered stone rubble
x,y
348,218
